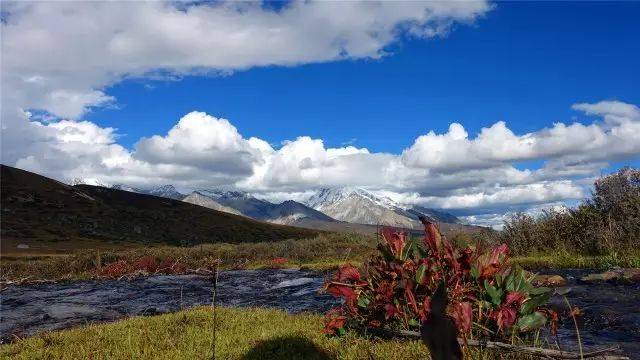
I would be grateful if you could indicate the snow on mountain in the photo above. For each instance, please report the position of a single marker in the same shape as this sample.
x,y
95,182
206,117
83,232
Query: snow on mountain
x,y
241,201
197,198
217,194
359,206
287,213
356,205
124,187
166,191
86,181
292,212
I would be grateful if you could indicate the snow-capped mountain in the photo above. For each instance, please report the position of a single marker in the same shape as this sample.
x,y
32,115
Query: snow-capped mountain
x,y
85,181
292,213
243,202
197,198
356,205
286,213
166,191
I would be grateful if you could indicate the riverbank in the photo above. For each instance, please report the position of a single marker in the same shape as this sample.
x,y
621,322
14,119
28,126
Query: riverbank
x,y
242,334
323,253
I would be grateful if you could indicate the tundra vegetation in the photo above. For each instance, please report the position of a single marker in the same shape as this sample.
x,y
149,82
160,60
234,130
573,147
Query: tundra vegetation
x,y
607,223
489,298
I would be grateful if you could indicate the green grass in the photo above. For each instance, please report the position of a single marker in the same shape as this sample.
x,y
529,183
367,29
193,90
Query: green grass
x,y
241,334
565,260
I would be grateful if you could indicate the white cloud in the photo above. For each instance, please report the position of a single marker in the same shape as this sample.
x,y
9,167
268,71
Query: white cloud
x,y
201,141
618,137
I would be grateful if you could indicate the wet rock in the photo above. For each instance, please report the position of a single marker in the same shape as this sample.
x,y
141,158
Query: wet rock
x,y
549,281
625,276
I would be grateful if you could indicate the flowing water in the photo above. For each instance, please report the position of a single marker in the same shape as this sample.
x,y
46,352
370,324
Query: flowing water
x,y
611,313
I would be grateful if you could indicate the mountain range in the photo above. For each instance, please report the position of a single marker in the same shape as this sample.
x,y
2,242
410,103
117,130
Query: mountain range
x,y
326,209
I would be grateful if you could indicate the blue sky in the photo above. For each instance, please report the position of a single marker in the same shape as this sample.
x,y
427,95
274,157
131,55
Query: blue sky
x,y
474,107
524,63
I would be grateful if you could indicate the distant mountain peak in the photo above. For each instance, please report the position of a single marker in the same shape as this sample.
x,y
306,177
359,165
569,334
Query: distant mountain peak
x,y
222,193
358,205
86,181
167,187
200,199
336,194
167,191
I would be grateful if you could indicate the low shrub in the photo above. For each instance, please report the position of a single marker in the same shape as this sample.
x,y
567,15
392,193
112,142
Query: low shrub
x,y
488,298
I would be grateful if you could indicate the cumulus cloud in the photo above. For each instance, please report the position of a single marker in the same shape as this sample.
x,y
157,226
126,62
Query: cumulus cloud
x,y
617,137
202,141
500,196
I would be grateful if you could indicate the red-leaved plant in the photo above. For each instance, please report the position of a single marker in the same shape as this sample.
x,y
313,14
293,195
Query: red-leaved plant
x,y
487,296
146,264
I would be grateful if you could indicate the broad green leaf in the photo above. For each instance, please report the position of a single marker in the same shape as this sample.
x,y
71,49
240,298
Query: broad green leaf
x,y
420,273
531,304
531,321
494,293
510,282
414,322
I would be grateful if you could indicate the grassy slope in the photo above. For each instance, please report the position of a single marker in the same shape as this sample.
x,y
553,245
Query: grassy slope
x,y
38,210
241,334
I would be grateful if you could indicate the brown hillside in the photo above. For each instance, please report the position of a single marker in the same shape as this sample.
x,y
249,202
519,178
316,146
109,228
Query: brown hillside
x,y
36,208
